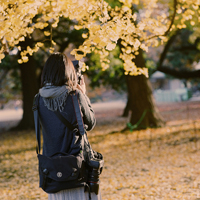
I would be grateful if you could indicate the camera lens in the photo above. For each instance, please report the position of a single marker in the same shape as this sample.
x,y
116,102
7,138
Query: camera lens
x,y
93,180
95,167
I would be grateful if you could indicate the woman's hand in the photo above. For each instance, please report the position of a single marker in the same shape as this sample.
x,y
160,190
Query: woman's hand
x,y
82,86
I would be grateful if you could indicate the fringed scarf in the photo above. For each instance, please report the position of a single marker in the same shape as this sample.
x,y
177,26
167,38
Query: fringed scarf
x,y
54,97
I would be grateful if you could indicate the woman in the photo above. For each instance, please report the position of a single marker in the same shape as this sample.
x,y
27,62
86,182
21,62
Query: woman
x,y
58,80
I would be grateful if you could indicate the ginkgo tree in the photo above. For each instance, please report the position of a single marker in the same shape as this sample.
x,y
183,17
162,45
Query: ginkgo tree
x,y
132,24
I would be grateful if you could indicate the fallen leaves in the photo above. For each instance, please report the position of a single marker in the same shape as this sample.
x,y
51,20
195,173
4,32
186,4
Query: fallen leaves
x,y
162,172
158,164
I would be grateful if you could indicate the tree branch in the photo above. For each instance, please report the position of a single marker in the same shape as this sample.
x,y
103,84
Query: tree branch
x,y
185,48
63,46
181,74
178,73
172,21
173,17
166,49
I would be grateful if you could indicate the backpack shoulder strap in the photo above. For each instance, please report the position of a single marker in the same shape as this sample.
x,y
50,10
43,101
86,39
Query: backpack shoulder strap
x,y
64,120
37,122
77,113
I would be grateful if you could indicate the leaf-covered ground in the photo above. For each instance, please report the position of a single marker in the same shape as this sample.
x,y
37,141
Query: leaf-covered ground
x,y
158,164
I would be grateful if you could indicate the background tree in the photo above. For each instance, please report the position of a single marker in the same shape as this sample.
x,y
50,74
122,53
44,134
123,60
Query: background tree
x,y
179,55
30,71
134,25
10,85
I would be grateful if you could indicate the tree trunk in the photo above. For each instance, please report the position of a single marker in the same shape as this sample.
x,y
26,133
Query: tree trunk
x,y
29,89
127,108
144,111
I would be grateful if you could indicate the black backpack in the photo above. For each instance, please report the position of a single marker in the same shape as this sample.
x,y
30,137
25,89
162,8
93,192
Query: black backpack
x,y
80,167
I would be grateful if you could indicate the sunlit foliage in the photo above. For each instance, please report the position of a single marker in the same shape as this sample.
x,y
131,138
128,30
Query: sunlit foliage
x,y
136,24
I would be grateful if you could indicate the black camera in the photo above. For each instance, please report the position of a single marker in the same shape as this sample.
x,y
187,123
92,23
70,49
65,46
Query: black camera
x,y
78,66
95,164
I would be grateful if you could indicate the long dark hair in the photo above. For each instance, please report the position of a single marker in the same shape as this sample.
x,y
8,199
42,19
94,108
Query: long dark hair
x,y
59,70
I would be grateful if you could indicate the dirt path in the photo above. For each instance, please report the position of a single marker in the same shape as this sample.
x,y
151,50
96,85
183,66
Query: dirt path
x,y
110,112
11,117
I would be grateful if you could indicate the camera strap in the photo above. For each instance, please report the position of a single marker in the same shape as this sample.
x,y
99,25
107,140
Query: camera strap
x,y
78,113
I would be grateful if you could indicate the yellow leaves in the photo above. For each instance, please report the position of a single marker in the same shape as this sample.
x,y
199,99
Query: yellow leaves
x,y
131,69
54,4
21,38
20,61
136,43
84,67
73,52
125,9
30,51
29,30
47,33
110,46
24,59
180,26
1,56
141,26
41,25
156,171
123,43
195,7
97,40
39,44
103,34
148,13
104,66
19,168
53,43
144,47
84,35
167,170
55,24
129,66
94,28
129,2
77,27
78,56
51,50
128,50
163,38
179,11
